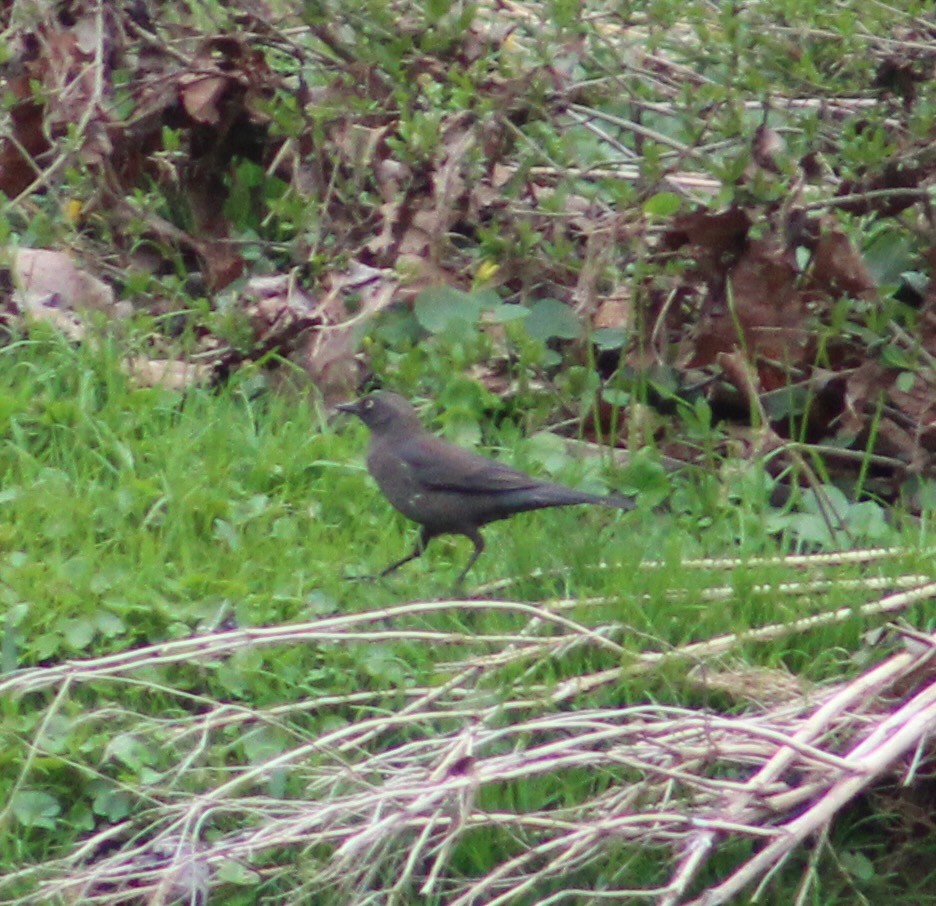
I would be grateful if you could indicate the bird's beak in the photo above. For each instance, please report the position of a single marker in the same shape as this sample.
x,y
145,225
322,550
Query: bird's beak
x,y
353,408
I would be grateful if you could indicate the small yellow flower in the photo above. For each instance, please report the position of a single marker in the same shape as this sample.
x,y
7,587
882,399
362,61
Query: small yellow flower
x,y
486,272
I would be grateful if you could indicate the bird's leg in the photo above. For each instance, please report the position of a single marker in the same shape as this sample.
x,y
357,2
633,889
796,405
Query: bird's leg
x,y
424,538
475,536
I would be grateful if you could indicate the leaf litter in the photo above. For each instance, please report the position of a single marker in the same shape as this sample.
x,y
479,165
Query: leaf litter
x,y
745,292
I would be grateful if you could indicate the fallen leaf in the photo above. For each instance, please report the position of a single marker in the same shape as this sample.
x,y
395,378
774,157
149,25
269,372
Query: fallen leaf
x,y
44,272
170,373
838,267
201,96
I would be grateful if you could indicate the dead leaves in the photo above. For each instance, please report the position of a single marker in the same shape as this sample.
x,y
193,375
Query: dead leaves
x,y
50,287
761,295
390,192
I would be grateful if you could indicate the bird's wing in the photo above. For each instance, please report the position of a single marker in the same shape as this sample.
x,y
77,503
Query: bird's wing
x,y
445,467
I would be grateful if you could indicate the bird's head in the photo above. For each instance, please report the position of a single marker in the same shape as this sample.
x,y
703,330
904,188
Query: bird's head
x,y
384,412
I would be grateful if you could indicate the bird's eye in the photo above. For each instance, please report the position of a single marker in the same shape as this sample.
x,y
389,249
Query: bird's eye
x,y
368,404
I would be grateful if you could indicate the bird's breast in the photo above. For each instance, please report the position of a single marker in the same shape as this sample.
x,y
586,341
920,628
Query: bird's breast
x,y
397,480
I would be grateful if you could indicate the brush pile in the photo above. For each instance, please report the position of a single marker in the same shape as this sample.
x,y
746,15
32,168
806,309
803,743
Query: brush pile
x,y
383,805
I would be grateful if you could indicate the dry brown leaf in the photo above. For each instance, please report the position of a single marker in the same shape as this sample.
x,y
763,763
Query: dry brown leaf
x,y
43,272
279,310
768,309
713,238
26,139
601,240
501,174
390,216
201,95
49,287
838,267
907,429
328,353
896,441
421,238
391,175
763,286
172,374
358,145
918,405
65,72
615,309
863,390
765,147
448,181
222,262
48,307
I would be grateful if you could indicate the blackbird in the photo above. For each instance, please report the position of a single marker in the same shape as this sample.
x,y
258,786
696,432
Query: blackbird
x,y
448,490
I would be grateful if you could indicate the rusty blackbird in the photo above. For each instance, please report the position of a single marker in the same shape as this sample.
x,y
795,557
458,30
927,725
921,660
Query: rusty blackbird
x,y
448,490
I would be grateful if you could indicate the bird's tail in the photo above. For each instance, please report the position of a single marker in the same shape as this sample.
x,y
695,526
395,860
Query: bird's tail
x,y
547,495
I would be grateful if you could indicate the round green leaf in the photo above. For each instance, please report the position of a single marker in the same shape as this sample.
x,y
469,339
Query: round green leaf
x,y
438,307
615,396
905,381
487,298
34,808
663,204
609,337
507,312
232,872
551,318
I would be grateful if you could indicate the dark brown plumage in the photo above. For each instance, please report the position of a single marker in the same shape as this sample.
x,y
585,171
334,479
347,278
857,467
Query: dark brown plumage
x,y
448,490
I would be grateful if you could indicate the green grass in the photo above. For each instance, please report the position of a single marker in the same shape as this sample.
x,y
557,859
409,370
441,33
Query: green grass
x,y
206,537
143,511
132,517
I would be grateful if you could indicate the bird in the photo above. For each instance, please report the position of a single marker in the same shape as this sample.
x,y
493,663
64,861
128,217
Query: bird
x,y
446,489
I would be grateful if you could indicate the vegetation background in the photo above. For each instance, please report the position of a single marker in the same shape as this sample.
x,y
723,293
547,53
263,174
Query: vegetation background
x,y
681,249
